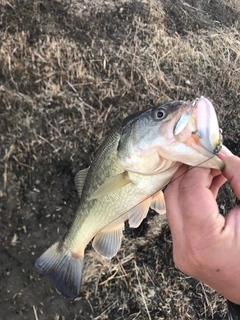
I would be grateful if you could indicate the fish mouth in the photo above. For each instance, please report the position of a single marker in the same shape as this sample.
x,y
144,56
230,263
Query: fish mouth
x,y
201,117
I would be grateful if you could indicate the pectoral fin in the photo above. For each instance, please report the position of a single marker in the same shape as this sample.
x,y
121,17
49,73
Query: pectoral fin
x,y
80,180
158,203
107,243
138,213
111,185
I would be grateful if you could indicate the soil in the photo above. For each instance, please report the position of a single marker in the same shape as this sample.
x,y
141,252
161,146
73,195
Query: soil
x,y
68,71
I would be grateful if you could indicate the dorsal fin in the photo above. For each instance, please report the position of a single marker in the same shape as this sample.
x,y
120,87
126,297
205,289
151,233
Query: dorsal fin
x,y
80,180
111,185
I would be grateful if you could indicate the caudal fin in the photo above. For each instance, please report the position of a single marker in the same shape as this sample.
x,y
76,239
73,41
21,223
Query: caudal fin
x,y
63,268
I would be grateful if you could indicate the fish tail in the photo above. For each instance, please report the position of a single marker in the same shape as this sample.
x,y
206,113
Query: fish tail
x,y
64,268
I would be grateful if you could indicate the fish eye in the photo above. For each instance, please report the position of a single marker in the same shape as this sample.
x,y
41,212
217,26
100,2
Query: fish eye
x,y
159,114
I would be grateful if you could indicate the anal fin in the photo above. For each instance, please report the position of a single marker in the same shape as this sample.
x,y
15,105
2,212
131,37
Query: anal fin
x,y
64,269
107,243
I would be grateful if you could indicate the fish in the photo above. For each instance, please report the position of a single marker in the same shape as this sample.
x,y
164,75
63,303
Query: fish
x,y
132,165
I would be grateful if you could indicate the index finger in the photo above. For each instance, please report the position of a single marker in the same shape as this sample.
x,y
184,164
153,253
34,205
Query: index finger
x,y
199,209
171,195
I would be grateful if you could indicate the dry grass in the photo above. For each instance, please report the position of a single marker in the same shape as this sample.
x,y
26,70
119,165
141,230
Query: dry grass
x,y
68,71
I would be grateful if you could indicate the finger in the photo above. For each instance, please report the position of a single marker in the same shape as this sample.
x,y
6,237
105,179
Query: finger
x,y
225,152
215,172
199,209
232,172
171,195
178,176
173,185
217,182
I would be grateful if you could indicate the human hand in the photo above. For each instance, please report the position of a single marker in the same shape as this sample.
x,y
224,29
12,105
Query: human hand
x,y
206,245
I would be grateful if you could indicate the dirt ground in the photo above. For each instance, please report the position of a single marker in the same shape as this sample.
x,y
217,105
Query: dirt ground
x,y
69,70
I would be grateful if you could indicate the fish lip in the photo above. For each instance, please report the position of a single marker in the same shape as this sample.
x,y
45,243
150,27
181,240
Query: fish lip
x,y
208,131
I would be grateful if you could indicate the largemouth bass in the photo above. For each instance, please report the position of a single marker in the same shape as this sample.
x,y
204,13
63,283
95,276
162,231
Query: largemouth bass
x,y
131,167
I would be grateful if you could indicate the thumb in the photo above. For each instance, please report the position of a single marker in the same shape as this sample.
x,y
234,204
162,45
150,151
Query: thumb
x,y
232,172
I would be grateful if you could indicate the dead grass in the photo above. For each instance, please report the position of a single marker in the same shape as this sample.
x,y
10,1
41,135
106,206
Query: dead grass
x,y
68,71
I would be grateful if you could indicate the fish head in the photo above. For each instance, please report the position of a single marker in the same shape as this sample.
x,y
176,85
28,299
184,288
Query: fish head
x,y
187,132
